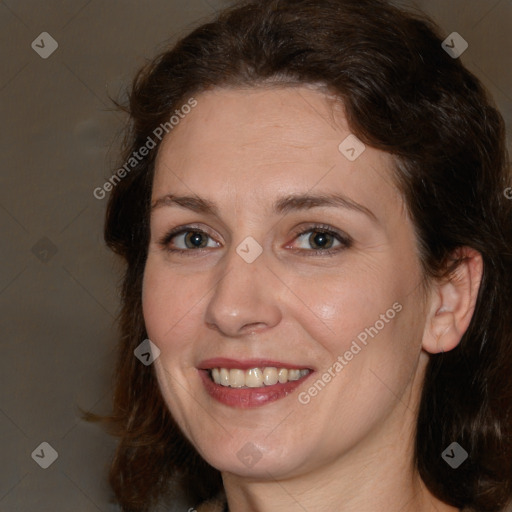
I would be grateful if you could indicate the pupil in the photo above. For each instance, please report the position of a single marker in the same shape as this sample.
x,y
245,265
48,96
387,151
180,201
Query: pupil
x,y
320,239
196,237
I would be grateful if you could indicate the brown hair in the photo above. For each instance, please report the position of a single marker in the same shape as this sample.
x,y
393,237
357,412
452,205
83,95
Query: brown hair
x,y
402,94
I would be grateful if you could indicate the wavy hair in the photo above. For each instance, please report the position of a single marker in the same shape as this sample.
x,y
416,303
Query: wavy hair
x,y
403,94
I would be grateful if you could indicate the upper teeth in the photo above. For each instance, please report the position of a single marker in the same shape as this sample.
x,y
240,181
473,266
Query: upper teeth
x,y
255,377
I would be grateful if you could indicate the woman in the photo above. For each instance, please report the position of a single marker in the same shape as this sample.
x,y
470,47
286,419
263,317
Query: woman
x,y
318,246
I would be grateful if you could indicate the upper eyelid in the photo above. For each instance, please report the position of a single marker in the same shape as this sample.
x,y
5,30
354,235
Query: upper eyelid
x,y
183,229
298,232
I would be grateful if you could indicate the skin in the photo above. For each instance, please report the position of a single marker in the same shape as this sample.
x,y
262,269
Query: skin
x,y
351,447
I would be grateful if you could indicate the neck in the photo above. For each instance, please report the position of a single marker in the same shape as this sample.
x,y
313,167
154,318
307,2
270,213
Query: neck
x,y
378,474
361,489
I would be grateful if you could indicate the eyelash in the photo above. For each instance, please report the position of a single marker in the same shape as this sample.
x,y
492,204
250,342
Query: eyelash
x,y
319,228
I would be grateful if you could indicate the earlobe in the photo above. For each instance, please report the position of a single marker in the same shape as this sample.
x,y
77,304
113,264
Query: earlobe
x,y
453,303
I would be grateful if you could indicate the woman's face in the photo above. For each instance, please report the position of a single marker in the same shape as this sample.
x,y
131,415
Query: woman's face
x,y
270,279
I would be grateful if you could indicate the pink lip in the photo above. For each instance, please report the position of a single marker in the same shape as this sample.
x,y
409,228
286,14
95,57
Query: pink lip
x,y
246,398
246,364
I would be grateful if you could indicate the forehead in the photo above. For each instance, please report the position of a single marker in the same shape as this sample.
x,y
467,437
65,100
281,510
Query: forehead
x,y
249,120
257,142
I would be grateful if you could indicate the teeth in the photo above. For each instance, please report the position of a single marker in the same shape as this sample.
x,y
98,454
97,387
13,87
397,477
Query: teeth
x,y
270,376
224,377
255,377
293,374
236,378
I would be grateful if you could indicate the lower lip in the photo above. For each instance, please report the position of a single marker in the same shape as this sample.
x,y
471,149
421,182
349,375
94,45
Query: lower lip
x,y
246,398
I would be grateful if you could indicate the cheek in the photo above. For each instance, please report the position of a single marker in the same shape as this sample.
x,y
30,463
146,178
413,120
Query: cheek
x,y
369,315
169,304
153,305
341,305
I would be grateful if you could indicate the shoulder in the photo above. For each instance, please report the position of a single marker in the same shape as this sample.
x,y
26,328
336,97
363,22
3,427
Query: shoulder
x,y
216,504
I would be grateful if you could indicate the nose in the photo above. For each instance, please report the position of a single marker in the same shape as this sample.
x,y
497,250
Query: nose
x,y
245,299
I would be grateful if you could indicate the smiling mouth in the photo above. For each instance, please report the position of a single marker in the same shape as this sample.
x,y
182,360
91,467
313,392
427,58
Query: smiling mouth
x,y
255,377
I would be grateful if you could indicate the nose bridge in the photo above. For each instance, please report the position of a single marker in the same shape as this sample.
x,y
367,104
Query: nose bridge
x,y
243,296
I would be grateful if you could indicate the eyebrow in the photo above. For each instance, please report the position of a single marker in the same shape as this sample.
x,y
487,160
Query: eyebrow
x,y
295,202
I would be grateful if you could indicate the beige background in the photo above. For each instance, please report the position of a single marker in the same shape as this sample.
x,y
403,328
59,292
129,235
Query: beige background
x,y
58,282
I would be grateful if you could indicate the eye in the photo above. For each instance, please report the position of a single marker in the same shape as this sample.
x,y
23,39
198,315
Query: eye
x,y
191,239
321,238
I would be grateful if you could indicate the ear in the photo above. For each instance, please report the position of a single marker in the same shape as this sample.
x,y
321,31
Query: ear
x,y
453,302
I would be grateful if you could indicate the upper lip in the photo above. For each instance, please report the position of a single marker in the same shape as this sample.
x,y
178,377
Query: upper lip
x,y
247,364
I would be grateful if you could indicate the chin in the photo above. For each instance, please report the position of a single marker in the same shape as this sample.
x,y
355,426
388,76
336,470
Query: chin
x,y
255,459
